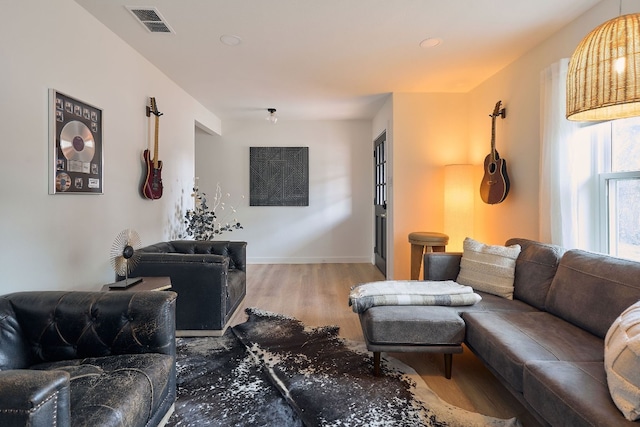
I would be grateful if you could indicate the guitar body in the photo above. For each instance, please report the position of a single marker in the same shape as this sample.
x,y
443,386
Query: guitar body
x,y
495,182
152,186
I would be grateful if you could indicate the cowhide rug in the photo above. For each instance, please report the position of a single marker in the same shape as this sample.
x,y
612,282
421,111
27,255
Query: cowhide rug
x,y
274,371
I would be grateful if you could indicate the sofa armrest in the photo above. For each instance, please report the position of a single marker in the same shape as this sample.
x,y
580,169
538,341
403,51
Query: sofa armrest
x,y
441,265
34,398
238,255
60,325
200,280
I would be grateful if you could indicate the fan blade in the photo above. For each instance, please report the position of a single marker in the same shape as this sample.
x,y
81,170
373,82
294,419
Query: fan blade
x,y
123,251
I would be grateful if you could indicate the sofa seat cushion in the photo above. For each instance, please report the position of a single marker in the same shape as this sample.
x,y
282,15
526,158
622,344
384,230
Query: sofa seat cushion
x,y
116,390
571,394
505,341
412,325
491,302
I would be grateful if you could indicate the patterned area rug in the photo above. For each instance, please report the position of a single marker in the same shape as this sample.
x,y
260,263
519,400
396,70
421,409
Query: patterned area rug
x,y
274,371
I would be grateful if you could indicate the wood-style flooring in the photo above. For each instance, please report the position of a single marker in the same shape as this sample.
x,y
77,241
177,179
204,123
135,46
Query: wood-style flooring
x,y
317,294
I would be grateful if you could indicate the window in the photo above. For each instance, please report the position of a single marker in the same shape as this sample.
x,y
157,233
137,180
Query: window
x,y
620,190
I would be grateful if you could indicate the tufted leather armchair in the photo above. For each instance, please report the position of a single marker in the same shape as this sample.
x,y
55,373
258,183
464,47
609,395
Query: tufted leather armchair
x,y
209,277
87,358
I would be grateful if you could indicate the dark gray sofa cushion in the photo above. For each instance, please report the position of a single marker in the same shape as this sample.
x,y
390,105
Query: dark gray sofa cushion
x,y
412,325
571,394
535,269
576,293
491,302
506,341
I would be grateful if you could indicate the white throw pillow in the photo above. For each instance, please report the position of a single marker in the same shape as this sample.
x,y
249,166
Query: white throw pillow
x,y
622,362
488,268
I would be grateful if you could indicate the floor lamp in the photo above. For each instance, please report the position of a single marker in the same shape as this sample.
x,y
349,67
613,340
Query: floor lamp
x,y
458,204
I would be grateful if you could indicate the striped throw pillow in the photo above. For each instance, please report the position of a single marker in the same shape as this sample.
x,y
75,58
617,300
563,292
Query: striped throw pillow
x,y
488,268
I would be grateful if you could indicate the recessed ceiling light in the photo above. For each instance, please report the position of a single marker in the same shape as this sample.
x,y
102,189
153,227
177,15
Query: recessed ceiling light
x,y
430,42
230,40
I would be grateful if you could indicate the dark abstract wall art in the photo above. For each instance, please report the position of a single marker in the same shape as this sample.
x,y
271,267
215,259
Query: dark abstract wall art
x,y
279,176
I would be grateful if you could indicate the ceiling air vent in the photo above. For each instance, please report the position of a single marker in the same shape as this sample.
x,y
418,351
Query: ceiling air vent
x,y
151,19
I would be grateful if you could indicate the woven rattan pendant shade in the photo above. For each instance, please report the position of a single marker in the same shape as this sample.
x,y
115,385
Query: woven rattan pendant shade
x,y
603,80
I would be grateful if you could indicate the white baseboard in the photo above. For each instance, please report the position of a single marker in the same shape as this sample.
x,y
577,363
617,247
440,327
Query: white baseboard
x,y
201,332
310,260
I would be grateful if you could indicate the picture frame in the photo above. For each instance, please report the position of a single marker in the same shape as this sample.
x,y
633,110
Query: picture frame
x,y
76,152
278,176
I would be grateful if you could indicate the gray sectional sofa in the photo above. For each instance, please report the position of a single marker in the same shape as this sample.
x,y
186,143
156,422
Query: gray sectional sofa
x,y
547,344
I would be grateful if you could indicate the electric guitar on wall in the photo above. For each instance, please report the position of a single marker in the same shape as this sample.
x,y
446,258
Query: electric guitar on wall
x,y
152,187
495,182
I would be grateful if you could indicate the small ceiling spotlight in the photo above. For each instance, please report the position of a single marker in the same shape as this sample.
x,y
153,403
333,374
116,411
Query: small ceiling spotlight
x,y
430,42
230,40
272,116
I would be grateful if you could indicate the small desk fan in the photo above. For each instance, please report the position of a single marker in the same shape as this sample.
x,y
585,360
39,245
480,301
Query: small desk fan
x,y
124,257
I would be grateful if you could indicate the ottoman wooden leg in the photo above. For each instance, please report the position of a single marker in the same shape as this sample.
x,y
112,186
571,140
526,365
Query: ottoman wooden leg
x,y
448,361
416,260
376,363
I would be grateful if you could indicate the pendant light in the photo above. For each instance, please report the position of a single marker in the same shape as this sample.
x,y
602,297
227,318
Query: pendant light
x,y
603,79
272,118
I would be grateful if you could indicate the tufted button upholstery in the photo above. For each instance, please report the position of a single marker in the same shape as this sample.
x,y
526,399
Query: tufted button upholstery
x,y
14,350
107,357
71,325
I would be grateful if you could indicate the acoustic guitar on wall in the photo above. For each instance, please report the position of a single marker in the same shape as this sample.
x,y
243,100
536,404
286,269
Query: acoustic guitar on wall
x,y
495,182
152,186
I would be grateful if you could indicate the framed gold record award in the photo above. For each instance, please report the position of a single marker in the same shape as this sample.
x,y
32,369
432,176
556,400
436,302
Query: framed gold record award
x,y
75,146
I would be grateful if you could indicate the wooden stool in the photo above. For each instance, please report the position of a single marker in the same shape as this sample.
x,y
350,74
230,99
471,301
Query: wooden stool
x,y
419,241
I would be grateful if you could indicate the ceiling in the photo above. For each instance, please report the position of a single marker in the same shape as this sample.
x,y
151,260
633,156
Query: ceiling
x,y
331,59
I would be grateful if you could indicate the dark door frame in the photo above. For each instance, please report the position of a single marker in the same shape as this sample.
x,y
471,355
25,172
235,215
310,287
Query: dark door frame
x,y
380,175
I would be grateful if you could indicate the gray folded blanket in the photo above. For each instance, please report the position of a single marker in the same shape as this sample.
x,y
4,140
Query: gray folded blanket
x,y
410,292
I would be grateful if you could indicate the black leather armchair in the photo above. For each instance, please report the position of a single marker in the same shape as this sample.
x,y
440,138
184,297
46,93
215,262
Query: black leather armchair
x,y
87,358
208,276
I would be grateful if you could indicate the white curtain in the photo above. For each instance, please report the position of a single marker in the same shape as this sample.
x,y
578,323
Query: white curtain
x,y
569,167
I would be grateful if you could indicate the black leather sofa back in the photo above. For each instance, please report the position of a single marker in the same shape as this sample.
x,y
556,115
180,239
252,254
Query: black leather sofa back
x,y
14,349
58,325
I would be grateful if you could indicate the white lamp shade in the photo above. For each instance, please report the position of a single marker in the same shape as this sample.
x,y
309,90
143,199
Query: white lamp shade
x,y
458,204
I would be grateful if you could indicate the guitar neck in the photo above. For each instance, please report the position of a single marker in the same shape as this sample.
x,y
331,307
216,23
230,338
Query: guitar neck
x,y
155,148
496,112
493,138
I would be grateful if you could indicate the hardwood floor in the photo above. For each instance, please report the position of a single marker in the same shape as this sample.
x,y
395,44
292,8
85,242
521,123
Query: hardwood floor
x,y
317,294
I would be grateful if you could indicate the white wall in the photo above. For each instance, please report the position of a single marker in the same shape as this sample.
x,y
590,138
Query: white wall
x,y
518,136
429,132
432,130
63,241
337,224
